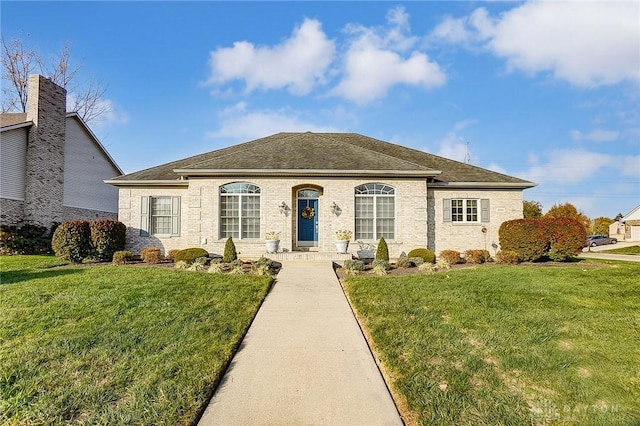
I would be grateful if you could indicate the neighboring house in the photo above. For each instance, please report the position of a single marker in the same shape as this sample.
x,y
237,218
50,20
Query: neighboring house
x,y
627,228
307,186
53,167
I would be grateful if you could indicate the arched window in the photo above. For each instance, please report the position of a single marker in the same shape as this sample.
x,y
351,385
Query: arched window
x,y
375,211
240,210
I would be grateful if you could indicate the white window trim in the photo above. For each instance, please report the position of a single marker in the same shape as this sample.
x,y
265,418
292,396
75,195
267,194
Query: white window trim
x,y
483,211
146,217
240,196
374,196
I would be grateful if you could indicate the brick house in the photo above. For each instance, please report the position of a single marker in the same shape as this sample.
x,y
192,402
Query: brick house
x,y
53,166
307,186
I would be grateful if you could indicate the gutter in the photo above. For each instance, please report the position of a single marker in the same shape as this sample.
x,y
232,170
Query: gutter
x,y
146,182
515,185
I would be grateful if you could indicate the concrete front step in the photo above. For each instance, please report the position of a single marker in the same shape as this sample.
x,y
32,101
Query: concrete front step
x,y
309,255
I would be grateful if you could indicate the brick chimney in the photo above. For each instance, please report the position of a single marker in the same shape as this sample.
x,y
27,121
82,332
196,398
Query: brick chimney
x,y
44,180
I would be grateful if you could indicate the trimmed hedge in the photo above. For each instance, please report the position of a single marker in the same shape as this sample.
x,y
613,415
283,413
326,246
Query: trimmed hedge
x,y
524,236
190,255
476,256
122,257
427,255
507,257
72,241
558,238
382,252
107,237
451,257
151,254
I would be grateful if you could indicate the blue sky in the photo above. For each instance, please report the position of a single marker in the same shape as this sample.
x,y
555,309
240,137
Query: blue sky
x,y
545,91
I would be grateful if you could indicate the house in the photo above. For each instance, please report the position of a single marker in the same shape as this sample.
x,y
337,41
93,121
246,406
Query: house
x,y
53,166
627,228
308,186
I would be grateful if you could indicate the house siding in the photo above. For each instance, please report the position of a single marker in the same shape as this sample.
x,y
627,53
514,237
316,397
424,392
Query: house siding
x,y
503,205
200,214
85,169
13,149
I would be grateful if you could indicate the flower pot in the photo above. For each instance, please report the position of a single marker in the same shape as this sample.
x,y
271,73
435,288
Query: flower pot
x,y
272,246
341,246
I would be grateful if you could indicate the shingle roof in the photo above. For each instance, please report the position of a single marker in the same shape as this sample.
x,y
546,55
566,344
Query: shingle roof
x,y
313,153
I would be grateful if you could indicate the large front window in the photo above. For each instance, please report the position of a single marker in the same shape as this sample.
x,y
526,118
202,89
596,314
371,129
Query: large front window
x,y
240,210
375,212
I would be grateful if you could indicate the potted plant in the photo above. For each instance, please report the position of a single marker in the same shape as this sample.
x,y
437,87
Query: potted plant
x,y
272,241
342,240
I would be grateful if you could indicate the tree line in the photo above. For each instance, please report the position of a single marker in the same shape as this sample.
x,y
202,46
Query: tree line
x,y
599,225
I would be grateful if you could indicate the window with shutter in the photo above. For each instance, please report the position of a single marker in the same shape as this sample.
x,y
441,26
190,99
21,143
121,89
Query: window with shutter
x,y
160,216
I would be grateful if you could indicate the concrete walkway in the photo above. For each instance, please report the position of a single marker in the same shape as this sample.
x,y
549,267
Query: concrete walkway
x,y
595,252
303,361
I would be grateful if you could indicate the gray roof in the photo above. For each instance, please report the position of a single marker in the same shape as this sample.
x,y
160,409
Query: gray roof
x,y
321,154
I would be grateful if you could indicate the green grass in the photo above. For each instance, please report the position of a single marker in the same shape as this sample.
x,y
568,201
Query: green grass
x,y
115,345
633,250
509,345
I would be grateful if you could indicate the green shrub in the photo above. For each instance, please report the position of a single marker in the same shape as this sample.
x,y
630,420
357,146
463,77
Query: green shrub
x,y
409,262
72,241
382,252
26,239
230,254
151,254
171,254
507,257
427,255
566,238
382,263
524,236
189,255
451,257
353,266
107,237
122,257
477,256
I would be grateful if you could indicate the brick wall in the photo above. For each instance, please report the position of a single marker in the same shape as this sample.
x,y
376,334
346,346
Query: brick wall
x,y
419,216
504,205
45,152
11,212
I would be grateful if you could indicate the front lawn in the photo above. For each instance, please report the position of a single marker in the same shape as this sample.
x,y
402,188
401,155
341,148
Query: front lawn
x,y
115,345
538,344
632,250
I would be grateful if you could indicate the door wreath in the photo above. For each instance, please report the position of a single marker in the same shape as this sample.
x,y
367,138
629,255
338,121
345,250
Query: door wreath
x,y
308,213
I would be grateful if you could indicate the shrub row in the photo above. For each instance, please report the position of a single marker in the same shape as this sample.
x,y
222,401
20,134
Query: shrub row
x,y
558,238
76,240
26,239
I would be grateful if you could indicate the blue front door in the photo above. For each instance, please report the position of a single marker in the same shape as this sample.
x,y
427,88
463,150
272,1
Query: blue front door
x,y
308,222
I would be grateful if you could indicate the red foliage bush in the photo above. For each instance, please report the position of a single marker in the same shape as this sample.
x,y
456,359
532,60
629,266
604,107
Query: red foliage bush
x,y
567,237
524,236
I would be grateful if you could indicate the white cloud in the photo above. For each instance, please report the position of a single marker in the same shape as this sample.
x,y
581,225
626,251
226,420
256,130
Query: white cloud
x,y
597,135
630,166
567,166
375,61
453,146
298,63
240,123
588,44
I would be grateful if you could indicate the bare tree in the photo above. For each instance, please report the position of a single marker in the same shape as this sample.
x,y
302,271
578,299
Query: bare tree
x,y
19,62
